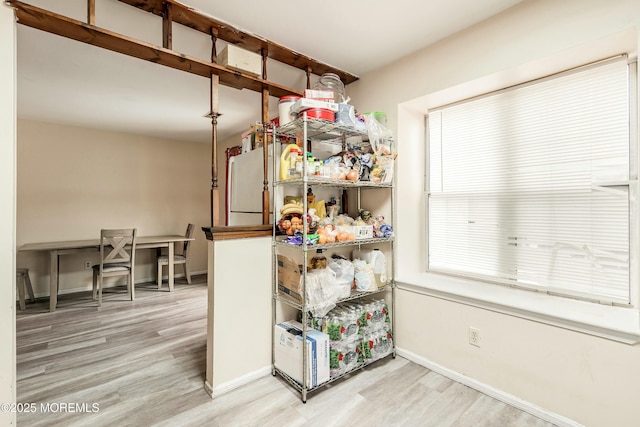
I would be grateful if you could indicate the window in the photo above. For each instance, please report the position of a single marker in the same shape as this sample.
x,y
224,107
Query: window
x,y
534,186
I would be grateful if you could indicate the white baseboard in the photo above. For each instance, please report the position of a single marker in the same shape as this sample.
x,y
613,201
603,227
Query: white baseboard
x,y
489,390
238,382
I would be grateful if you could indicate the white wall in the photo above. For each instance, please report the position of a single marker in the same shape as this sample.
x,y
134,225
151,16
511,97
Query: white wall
x,y
72,181
591,380
7,211
239,318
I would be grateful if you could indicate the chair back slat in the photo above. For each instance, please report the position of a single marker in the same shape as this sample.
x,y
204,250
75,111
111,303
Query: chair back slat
x,y
188,234
117,246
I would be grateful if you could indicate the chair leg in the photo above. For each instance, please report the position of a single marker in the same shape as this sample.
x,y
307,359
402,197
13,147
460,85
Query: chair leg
x,y
100,283
187,273
20,283
95,285
132,286
159,275
27,281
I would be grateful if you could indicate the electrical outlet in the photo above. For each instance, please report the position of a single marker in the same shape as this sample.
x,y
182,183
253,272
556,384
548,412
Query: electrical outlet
x,y
87,265
474,336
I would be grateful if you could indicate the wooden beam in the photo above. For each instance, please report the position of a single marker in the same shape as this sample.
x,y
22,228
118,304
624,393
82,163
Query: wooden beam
x,y
192,18
44,20
167,27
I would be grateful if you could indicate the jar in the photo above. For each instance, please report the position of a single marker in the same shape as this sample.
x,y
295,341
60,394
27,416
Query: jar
x,y
284,109
331,81
319,261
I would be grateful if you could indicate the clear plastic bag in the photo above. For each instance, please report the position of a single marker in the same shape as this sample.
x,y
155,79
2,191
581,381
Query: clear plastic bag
x,y
380,136
321,291
345,272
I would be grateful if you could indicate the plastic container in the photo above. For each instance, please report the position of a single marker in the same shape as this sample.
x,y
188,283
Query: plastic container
x,y
320,113
380,116
331,81
284,109
288,161
318,261
379,264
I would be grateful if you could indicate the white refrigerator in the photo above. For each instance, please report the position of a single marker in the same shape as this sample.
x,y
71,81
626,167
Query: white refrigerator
x,y
244,188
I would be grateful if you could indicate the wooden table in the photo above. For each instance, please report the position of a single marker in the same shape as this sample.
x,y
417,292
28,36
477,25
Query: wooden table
x,y
56,249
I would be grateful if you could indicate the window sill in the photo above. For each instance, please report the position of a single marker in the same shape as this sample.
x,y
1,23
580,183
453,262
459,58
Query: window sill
x,y
610,322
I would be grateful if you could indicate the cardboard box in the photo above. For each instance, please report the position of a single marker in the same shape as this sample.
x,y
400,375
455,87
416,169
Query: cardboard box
x,y
240,59
288,353
289,274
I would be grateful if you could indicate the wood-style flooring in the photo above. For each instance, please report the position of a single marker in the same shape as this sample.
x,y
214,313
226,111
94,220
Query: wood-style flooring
x,y
142,363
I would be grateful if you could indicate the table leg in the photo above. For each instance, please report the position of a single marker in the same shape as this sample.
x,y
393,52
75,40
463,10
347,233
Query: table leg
x,y
170,266
53,280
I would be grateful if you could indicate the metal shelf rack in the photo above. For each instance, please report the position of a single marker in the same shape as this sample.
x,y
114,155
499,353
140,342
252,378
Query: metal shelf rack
x,y
321,131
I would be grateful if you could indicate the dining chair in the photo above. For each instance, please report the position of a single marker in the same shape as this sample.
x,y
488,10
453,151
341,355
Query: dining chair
x,y
180,258
23,282
117,258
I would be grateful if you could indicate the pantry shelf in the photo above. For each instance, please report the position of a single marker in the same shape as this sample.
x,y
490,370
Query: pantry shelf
x,y
328,182
293,383
282,242
285,298
339,330
321,130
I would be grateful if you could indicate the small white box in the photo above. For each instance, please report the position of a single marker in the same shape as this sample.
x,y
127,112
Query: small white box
x,y
363,231
241,60
320,95
288,353
305,103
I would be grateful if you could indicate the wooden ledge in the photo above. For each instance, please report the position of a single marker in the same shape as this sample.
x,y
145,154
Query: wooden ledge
x,y
237,232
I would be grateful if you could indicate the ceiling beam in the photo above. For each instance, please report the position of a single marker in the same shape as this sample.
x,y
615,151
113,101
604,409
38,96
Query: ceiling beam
x,y
192,18
44,20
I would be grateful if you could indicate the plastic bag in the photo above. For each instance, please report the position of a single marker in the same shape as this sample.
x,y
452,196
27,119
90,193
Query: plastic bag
x,y
345,272
320,291
380,136
365,279
382,167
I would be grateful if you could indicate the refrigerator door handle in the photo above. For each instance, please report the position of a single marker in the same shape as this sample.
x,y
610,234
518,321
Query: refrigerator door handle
x,y
230,172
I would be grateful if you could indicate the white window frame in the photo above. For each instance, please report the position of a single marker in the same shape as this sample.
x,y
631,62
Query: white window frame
x,y
634,217
609,322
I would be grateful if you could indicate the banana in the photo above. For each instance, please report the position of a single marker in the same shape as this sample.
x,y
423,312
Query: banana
x,y
290,210
290,206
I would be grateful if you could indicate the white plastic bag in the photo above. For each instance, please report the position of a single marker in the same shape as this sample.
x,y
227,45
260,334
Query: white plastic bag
x,y
321,291
344,270
365,279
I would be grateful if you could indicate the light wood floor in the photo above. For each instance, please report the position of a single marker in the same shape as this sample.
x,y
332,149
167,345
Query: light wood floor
x,y
143,363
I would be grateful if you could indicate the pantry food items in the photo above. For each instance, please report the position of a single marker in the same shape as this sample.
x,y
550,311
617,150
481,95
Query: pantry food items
x,y
359,333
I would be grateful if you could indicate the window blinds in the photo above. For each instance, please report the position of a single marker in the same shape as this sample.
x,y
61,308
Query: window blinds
x,y
529,186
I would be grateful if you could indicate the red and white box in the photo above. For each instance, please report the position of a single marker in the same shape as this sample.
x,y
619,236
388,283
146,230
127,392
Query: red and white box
x,y
319,95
